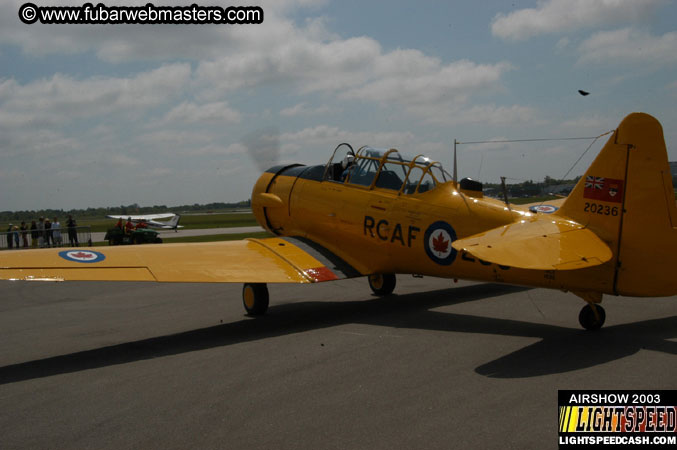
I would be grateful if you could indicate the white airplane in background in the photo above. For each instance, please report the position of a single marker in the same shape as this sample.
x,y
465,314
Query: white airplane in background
x,y
151,220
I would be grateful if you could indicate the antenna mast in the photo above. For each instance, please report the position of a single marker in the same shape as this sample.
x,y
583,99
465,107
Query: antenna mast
x,y
455,165
505,193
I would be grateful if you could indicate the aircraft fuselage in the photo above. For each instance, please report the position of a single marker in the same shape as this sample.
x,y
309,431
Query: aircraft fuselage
x,y
384,231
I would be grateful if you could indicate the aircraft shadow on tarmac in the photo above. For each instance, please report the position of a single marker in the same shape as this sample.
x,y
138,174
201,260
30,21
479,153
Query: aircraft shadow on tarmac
x,y
559,349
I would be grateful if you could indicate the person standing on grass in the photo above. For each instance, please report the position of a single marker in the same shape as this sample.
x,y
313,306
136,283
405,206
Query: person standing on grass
x,y
56,232
15,234
72,231
48,233
41,232
129,226
35,236
10,242
24,234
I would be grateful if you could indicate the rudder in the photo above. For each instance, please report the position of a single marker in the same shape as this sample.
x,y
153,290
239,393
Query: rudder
x,y
174,221
626,197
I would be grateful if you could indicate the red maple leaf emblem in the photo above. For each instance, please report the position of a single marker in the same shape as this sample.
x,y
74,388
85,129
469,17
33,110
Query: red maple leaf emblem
x,y
440,245
82,255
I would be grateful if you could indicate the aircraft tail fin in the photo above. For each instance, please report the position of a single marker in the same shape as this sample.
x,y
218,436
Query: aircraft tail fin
x,y
174,221
626,197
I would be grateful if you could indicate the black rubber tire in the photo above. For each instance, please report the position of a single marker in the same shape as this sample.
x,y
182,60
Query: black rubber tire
x,y
382,283
588,320
255,298
158,240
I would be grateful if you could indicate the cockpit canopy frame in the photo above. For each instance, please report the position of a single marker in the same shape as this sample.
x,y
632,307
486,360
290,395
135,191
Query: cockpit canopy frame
x,y
387,169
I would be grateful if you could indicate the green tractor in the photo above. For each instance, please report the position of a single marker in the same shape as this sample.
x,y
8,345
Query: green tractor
x,y
116,236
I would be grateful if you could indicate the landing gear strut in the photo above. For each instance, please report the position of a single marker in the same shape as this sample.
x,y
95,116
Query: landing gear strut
x,y
382,283
255,298
592,317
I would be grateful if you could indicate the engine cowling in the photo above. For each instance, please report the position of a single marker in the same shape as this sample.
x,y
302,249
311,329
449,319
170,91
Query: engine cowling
x,y
271,197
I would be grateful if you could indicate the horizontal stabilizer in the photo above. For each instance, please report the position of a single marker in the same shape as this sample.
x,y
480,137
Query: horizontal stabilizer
x,y
546,244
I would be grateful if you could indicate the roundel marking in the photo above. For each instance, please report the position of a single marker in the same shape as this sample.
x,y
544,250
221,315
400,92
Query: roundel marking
x,y
437,242
547,209
82,256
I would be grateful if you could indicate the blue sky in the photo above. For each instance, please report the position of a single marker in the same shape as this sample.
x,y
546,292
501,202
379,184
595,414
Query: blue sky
x,y
109,115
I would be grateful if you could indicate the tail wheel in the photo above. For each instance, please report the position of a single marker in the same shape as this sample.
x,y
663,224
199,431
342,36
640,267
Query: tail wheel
x,y
592,317
255,298
382,283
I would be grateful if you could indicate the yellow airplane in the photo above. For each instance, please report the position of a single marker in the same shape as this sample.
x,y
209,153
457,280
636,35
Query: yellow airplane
x,y
379,213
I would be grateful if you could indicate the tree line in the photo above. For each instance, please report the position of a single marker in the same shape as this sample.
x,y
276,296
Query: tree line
x,y
531,188
133,209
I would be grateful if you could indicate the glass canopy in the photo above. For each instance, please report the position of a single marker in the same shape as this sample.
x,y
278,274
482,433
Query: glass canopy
x,y
395,171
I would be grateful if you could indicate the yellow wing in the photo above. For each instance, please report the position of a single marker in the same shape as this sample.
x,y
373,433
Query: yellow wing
x,y
547,243
274,260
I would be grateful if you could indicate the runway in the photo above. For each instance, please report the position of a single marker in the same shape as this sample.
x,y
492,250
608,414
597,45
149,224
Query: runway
x,y
437,366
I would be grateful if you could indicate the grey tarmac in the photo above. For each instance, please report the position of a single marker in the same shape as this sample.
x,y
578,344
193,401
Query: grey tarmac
x,y
438,365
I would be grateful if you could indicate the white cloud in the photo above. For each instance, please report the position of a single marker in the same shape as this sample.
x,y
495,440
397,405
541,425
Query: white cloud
x,y
330,134
672,88
168,138
479,114
319,141
120,43
39,142
314,145
278,53
159,172
216,149
63,99
120,160
629,46
589,123
562,43
208,113
556,16
292,59
353,69
236,148
411,78
302,109
105,136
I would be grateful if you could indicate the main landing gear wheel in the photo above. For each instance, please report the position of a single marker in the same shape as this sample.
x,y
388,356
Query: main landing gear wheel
x,y
589,320
255,298
382,283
